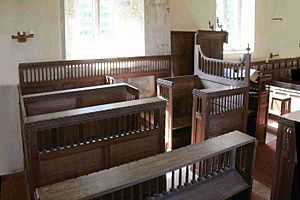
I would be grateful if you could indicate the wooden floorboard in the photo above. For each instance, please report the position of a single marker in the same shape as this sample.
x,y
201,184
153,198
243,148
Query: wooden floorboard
x,y
265,163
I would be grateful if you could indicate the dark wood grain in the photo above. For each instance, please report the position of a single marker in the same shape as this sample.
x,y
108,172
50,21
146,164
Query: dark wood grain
x,y
57,75
62,142
259,104
131,175
212,42
211,102
182,48
285,159
278,68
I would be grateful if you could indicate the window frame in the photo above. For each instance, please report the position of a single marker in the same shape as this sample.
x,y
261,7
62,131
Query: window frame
x,y
97,38
242,33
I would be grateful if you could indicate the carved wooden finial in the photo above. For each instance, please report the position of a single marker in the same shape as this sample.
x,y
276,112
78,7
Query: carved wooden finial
x,y
248,48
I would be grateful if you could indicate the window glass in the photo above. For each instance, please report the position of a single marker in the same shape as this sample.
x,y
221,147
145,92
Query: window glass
x,y
104,28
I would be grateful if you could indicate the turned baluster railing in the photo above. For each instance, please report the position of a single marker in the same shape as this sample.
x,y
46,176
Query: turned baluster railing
x,y
60,70
231,71
55,75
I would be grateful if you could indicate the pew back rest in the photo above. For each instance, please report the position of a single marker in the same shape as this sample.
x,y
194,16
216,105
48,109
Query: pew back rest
x,y
278,68
205,163
57,75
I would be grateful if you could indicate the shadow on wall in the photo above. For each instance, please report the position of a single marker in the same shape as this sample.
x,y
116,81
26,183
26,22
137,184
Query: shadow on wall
x,y
11,153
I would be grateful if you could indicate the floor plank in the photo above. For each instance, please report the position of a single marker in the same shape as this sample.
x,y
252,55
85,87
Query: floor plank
x,y
265,163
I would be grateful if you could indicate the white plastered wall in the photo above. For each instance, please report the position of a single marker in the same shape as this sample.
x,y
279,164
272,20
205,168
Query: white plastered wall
x,y
43,17
270,36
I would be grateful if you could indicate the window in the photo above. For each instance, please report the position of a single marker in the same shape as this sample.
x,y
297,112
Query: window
x,y
104,28
237,17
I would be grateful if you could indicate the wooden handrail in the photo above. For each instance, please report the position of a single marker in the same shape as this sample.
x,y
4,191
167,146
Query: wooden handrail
x,y
135,173
91,68
89,61
221,91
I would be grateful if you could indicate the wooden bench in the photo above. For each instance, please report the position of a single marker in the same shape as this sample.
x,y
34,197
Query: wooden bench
x,y
215,169
82,137
58,75
211,102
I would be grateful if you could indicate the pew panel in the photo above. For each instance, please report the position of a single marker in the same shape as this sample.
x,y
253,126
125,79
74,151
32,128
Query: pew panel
x,y
62,142
68,166
286,179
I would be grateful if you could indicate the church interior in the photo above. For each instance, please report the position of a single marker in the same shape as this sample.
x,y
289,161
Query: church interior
x,y
149,99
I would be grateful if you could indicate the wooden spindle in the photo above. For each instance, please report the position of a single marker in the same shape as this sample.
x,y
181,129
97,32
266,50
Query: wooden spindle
x,y
149,189
140,191
157,185
180,178
186,175
173,180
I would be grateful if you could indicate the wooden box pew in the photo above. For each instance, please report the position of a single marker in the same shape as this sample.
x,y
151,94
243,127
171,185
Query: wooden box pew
x,y
212,75
58,75
41,103
190,177
70,143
